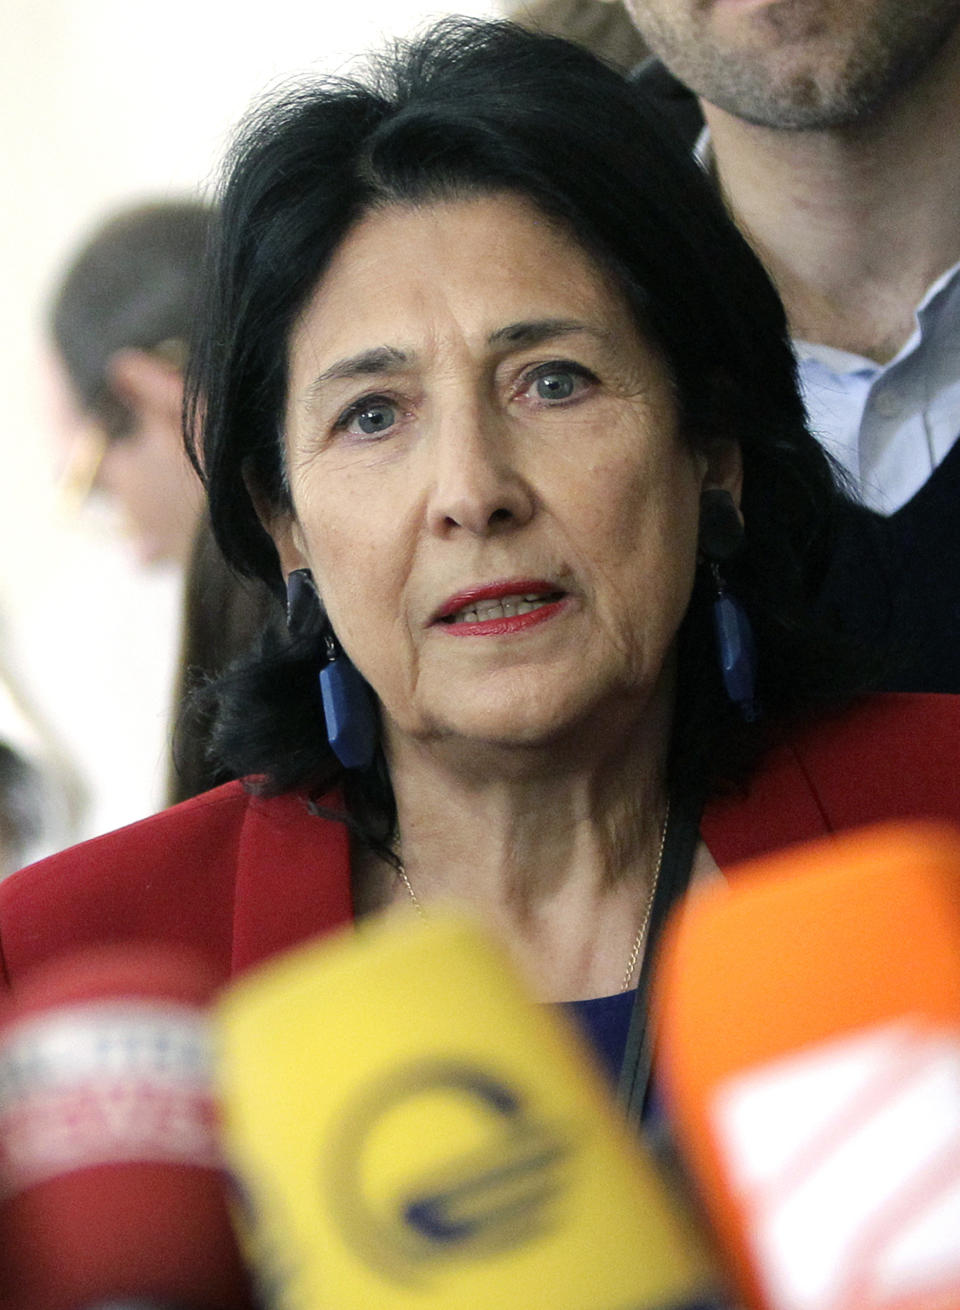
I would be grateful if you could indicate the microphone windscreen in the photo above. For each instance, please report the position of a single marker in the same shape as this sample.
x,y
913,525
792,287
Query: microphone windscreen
x,y
410,1130
808,1015
111,1185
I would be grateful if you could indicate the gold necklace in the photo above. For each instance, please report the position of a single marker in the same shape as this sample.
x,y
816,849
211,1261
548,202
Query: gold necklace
x,y
641,931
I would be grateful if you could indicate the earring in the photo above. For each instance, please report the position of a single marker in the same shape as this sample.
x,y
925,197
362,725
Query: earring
x,y
721,538
348,711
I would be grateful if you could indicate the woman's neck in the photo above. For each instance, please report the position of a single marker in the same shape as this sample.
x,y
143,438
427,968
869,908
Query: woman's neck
x,y
555,849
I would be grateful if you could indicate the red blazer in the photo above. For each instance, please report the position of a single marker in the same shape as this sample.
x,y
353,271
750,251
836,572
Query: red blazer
x,y
239,878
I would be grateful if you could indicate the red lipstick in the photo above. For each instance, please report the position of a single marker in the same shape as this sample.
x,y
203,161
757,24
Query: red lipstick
x,y
500,608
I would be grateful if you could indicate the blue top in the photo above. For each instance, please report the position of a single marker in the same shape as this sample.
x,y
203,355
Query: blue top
x,y
605,1022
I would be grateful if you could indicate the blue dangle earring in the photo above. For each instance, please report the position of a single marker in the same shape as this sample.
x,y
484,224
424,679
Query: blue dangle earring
x,y
348,711
721,538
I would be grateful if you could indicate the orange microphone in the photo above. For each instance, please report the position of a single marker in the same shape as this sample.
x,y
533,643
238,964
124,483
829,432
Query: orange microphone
x,y
808,1018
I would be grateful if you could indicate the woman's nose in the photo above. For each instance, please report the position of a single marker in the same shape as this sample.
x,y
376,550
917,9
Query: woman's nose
x,y
477,487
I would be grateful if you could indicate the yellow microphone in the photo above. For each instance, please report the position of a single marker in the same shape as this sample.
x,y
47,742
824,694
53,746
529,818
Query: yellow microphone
x,y
408,1129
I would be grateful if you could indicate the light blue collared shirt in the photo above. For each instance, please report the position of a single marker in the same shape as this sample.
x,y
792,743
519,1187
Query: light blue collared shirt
x,y
890,425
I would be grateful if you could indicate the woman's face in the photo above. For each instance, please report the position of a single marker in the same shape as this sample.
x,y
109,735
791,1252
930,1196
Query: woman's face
x,y
487,476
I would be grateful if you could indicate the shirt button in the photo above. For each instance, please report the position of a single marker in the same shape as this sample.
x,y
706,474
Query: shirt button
x,y
888,404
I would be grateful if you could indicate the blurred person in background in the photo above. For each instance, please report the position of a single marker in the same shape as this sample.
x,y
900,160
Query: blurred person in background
x,y
120,322
42,797
29,809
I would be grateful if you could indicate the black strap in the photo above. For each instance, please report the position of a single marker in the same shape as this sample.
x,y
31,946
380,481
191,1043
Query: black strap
x,y
679,847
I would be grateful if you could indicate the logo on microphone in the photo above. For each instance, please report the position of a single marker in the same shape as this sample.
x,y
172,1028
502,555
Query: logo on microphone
x,y
105,1082
845,1158
444,1161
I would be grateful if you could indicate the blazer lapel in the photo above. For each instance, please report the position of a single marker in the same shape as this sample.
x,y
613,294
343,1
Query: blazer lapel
x,y
293,877
779,809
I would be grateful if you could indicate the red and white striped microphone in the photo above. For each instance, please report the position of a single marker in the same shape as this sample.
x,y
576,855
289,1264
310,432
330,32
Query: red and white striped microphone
x,y
111,1188
808,1014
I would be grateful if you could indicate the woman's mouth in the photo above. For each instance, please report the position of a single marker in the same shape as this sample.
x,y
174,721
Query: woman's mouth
x,y
504,607
500,609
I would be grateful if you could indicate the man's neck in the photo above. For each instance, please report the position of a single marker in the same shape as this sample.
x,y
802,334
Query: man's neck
x,y
853,224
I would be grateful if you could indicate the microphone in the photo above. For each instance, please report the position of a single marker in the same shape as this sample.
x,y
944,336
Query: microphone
x,y
111,1186
409,1129
808,1019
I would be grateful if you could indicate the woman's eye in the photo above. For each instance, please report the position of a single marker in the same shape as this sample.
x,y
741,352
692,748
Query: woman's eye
x,y
555,386
555,383
369,418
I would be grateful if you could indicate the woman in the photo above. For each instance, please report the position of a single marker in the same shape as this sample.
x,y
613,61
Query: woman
x,y
489,362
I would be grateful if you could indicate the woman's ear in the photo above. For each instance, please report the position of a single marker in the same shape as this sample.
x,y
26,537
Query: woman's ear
x,y
288,539
723,467
280,525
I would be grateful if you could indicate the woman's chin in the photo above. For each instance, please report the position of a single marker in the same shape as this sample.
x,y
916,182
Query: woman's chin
x,y
524,729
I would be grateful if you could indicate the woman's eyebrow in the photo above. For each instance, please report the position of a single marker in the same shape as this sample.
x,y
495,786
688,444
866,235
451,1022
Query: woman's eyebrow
x,y
531,332
379,359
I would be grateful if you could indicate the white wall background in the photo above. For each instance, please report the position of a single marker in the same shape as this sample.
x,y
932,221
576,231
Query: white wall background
x,y
102,102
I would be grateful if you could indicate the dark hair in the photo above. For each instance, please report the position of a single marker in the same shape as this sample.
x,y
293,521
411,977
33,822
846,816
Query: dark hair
x,y
131,285
223,615
475,107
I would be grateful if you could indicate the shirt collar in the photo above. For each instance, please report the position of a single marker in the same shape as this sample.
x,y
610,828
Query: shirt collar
x,y
703,150
936,316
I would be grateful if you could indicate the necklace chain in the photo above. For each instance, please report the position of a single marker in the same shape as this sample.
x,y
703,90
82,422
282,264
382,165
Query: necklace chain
x,y
645,921
402,875
644,924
